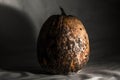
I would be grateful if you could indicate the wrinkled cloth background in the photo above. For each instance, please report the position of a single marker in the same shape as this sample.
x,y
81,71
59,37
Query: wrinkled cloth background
x,y
21,21
107,72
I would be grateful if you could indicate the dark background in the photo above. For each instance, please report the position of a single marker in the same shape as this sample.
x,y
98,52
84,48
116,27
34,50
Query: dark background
x,y
20,23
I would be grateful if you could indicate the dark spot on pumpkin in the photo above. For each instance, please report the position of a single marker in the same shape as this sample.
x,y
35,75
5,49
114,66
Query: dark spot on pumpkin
x,y
80,28
86,55
85,44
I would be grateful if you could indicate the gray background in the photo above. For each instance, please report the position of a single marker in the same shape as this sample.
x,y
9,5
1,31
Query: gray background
x,y
21,20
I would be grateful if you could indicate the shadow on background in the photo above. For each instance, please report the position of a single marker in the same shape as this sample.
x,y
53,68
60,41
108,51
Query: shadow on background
x,y
17,40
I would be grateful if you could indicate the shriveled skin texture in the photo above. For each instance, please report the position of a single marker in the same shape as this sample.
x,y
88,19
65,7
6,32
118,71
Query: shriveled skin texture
x,y
63,45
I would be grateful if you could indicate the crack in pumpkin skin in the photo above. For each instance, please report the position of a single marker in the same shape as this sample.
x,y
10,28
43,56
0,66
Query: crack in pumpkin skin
x,y
67,47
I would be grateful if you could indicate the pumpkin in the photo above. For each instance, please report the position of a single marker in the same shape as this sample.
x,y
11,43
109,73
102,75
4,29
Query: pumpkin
x,y
63,44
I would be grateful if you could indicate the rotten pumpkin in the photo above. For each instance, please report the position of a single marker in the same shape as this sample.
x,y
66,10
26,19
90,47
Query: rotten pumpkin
x,y
63,45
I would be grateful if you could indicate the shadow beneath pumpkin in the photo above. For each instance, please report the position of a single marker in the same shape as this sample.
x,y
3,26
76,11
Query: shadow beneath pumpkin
x,y
17,40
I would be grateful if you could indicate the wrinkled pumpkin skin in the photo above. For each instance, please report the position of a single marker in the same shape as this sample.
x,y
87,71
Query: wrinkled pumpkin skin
x,y
63,45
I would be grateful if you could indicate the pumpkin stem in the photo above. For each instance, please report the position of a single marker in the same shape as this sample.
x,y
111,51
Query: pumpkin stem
x,y
62,11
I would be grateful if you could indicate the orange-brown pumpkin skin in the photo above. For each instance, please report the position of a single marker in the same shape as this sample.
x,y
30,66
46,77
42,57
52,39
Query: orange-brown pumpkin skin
x,y
63,45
